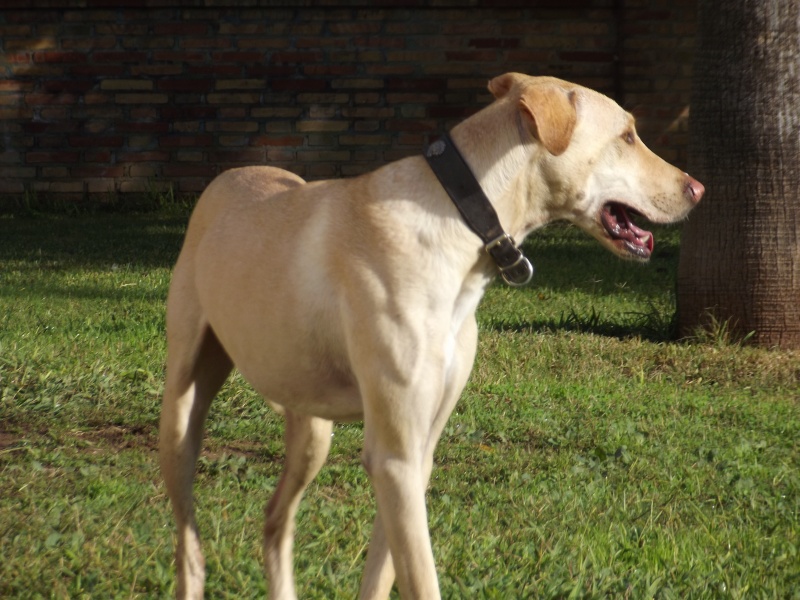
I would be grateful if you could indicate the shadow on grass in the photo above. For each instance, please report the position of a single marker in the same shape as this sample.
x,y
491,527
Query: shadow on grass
x,y
51,242
645,326
128,293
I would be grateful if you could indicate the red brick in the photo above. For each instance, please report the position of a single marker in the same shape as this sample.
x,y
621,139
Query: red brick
x,y
53,172
264,44
17,57
140,127
232,112
280,155
234,98
195,185
379,42
494,43
59,57
437,84
150,156
327,70
144,113
51,157
37,99
95,70
95,14
215,71
364,140
185,141
317,43
233,127
11,187
176,56
599,57
245,156
9,156
88,43
96,98
237,57
104,171
38,127
209,43
357,84
408,98
261,70
101,185
8,31
180,28
273,140
315,125
171,113
183,170
17,172
299,85
186,85
354,27
448,112
241,29
126,85
324,155
96,141
156,70
115,56
97,156
143,98
296,57
472,56
403,125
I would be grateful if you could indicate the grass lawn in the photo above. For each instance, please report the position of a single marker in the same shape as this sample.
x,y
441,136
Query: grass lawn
x,y
590,456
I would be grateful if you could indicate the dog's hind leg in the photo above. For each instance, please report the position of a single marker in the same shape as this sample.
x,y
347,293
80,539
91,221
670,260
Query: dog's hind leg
x,y
197,366
308,440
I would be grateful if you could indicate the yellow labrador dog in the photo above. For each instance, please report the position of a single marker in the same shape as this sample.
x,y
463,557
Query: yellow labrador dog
x,y
355,299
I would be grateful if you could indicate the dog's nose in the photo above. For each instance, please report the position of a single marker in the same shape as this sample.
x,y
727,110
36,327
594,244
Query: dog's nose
x,y
694,189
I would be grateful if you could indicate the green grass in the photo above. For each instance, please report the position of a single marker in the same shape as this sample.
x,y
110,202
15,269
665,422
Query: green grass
x,y
590,456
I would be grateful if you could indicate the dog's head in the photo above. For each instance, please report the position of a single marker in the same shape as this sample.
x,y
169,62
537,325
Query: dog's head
x,y
596,170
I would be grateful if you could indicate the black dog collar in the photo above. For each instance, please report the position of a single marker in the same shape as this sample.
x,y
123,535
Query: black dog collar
x,y
464,190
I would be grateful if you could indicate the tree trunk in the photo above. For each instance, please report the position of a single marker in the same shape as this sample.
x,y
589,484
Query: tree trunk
x,y
740,253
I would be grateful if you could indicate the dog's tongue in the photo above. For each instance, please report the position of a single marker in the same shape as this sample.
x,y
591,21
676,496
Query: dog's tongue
x,y
620,226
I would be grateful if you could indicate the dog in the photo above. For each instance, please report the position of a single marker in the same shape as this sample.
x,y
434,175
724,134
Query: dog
x,y
355,299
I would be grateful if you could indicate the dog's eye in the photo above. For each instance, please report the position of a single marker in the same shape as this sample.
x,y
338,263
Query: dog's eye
x,y
629,137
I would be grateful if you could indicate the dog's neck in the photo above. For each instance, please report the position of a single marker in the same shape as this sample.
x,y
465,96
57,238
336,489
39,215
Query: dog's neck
x,y
498,148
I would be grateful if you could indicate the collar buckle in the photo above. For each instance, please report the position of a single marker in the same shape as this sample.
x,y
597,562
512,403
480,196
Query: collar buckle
x,y
515,269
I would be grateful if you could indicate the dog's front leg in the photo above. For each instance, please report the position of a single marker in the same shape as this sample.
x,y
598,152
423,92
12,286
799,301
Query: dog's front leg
x,y
397,426
379,570
400,493
379,574
422,413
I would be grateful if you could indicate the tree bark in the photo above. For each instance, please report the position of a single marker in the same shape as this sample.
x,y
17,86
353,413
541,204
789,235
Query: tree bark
x,y
740,252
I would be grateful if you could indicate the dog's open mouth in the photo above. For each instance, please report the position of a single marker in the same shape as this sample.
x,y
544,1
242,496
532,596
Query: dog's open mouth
x,y
624,232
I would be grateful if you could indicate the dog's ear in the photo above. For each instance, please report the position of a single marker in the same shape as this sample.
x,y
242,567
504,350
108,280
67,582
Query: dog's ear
x,y
551,115
500,85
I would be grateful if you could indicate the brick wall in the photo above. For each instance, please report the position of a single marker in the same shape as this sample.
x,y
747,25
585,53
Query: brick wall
x,y
117,100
